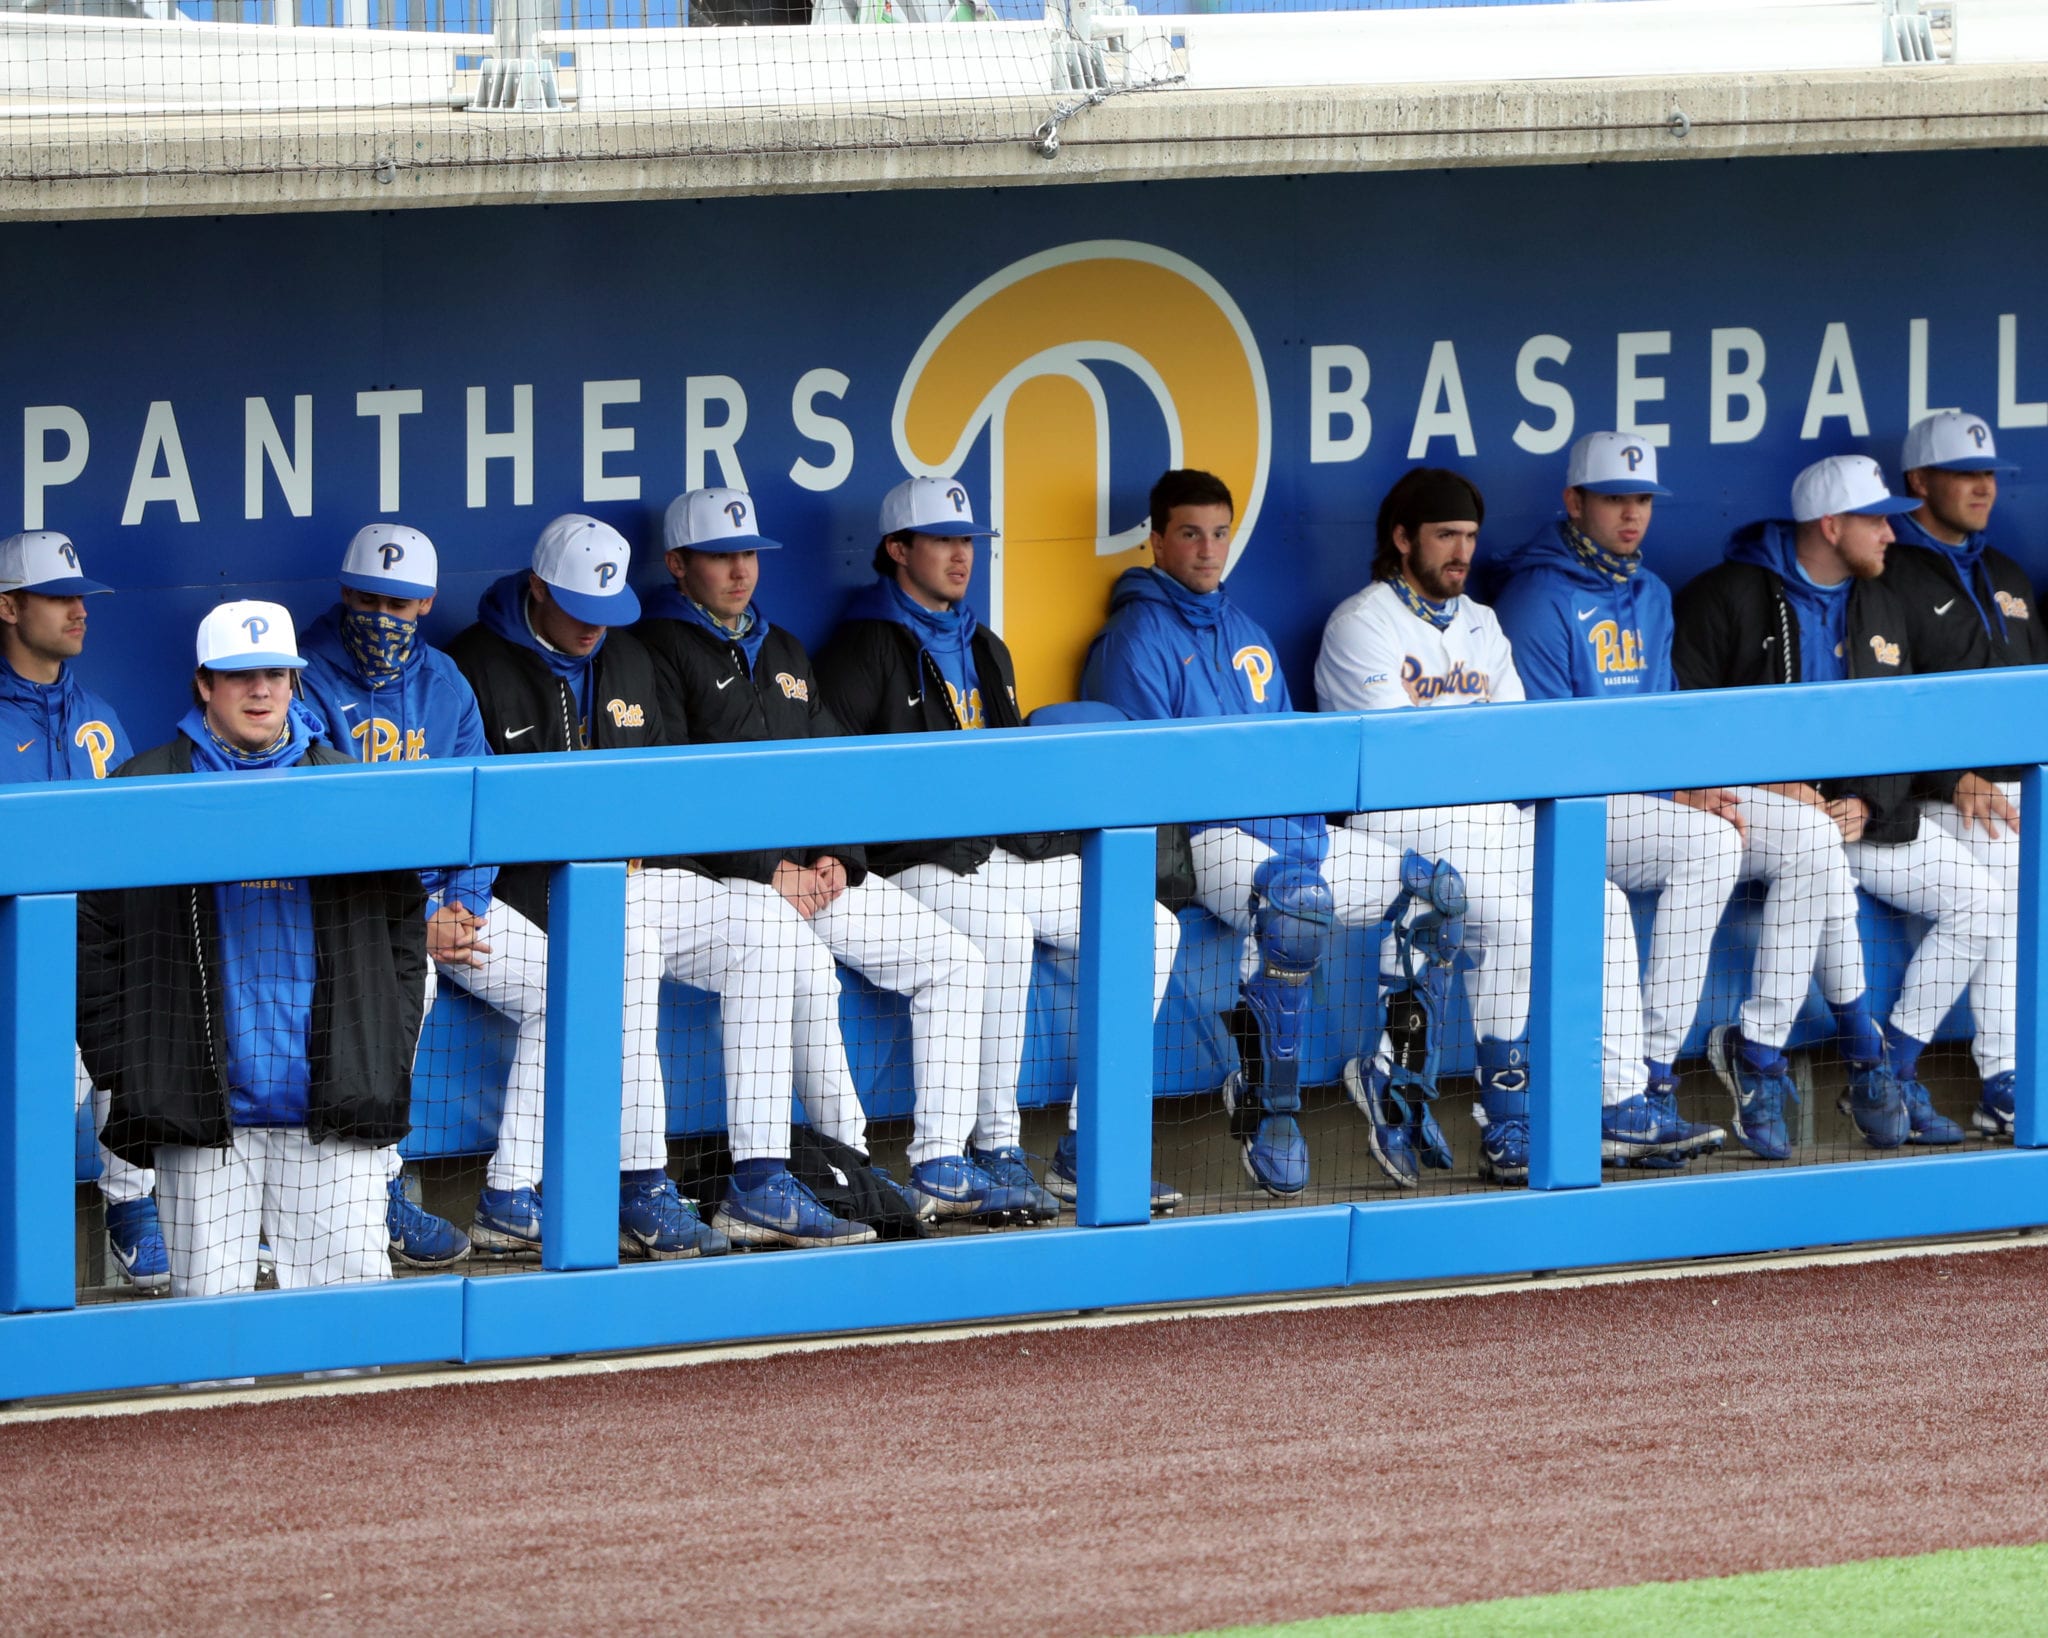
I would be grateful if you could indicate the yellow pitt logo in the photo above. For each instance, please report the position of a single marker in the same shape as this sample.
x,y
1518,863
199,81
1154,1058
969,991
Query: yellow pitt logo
x,y
1615,650
96,739
795,688
380,741
1017,357
1257,666
1887,653
624,715
2014,608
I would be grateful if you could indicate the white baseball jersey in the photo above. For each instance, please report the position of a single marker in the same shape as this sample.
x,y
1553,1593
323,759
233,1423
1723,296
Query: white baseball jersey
x,y
1379,655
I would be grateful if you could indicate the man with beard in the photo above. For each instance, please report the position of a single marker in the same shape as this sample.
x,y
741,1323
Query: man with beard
x,y
1413,640
1969,606
1801,601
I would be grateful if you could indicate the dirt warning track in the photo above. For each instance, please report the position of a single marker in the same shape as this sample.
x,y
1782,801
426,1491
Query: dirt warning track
x,y
1136,1479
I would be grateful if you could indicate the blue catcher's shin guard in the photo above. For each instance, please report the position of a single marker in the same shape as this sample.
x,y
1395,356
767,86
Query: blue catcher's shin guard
x,y
1426,948
1292,914
1504,1095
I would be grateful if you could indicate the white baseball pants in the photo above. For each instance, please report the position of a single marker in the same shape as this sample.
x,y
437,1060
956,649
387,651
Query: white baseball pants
x,y
1004,907
1690,860
322,1202
1994,985
1493,844
1809,914
1936,876
743,942
119,1181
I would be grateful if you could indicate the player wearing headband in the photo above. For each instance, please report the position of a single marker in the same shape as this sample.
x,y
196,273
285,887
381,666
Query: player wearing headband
x,y
1801,601
1968,608
1412,640
1590,620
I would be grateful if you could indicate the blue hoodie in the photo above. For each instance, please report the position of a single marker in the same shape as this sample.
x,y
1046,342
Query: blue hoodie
x,y
1580,633
1822,611
55,731
268,964
946,635
668,603
1969,560
1170,653
503,611
427,712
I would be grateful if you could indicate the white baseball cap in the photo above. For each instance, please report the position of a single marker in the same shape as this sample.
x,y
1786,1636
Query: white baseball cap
x,y
1845,483
1614,463
392,561
584,563
249,636
714,520
1953,440
46,563
929,506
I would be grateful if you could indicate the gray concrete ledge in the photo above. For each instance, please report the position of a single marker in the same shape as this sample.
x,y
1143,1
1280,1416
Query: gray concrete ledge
x,y
132,165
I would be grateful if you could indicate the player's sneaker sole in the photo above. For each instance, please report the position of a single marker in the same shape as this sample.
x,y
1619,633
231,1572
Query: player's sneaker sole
x,y
743,1232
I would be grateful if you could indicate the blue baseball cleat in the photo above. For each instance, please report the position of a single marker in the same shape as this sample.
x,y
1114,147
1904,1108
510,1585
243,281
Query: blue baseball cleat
x,y
1649,1127
1276,1157
1389,1120
780,1211
1063,1179
1993,1115
135,1242
1931,1129
954,1186
1759,1098
419,1239
657,1223
1876,1102
1699,1137
1008,1167
507,1221
1504,1149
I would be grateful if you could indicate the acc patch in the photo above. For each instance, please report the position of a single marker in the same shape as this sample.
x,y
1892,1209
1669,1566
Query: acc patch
x,y
2014,608
795,688
624,715
1887,653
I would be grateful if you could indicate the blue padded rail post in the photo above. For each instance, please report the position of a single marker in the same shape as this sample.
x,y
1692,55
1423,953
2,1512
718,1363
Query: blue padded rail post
x,y
2029,1104
38,974
586,977
1566,999
1119,871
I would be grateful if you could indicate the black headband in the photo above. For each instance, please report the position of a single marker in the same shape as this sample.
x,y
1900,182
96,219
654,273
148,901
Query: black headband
x,y
1438,496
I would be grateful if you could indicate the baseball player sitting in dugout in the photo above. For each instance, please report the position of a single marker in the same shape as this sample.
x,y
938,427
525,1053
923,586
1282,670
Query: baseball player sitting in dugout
x,y
1591,620
1802,601
1176,646
1414,639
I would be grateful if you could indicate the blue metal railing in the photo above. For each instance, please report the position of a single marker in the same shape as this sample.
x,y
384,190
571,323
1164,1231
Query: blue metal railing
x,y
1110,782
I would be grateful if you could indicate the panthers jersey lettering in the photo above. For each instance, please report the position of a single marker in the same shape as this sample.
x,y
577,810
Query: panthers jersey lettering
x,y
1614,650
96,739
1460,681
1257,666
380,740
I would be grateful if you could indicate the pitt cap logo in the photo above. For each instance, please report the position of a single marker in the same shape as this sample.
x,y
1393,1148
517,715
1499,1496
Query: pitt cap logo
x,y
391,552
1633,455
955,494
1980,435
70,555
255,626
1023,370
737,511
607,573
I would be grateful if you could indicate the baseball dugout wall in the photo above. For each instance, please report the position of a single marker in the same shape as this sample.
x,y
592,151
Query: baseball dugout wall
x,y
1110,782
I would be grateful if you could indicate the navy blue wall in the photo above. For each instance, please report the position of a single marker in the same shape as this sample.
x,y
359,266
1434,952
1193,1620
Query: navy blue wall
x,y
201,314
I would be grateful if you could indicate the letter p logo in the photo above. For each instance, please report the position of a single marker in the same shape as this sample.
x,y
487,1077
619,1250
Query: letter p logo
x,y
71,552
391,552
1979,435
255,626
606,574
958,497
737,511
1633,454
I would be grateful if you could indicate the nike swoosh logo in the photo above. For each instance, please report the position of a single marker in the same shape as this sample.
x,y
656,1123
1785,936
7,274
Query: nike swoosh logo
x,y
1187,659
1944,608
514,733
915,699
351,706
1586,614
727,683
24,745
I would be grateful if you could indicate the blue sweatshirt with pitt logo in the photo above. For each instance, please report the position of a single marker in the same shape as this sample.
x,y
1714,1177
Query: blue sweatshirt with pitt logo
x,y
1585,625
56,731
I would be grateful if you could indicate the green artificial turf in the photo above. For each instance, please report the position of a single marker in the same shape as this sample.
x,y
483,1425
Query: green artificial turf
x,y
1984,1590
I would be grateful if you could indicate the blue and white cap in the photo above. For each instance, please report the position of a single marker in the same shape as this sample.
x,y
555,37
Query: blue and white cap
x,y
1953,440
1614,463
249,636
929,506
584,563
46,563
392,561
714,520
1845,483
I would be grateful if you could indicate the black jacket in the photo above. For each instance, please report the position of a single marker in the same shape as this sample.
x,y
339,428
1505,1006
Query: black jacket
x,y
1734,629
527,708
878,681
153,1031
708,697
1946,631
